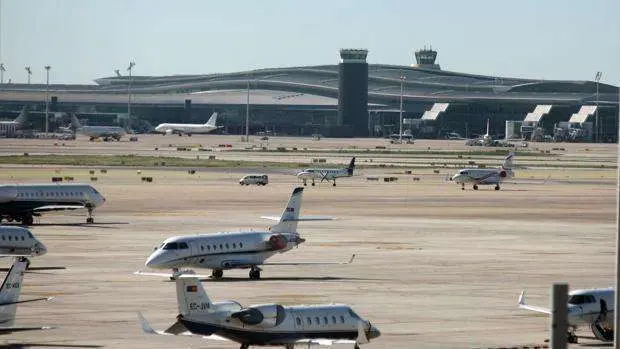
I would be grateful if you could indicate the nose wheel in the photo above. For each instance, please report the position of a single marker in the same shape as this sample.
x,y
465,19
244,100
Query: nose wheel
x,y
217,273
90,219
475,186
255,273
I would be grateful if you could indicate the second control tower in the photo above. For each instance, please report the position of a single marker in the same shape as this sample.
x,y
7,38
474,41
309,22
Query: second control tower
x,y
353,92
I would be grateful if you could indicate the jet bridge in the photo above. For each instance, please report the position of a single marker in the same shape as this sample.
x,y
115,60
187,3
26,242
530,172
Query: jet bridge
x,y
436,109
582,115
538,113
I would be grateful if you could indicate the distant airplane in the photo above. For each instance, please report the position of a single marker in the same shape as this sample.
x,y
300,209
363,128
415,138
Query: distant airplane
x,y
487,140
94,132
9,298
19,123
21,202
18,241
483,176
326,174
188,129
234,250
593,308
265,324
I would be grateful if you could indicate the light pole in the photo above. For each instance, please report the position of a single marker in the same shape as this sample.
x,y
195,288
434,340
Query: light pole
x,y
47,102
29,72
402,92
597,77
131,65
2,70
247,114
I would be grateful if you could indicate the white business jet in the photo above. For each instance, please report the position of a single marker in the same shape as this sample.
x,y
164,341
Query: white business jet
x,y
21,202
483,176
18,241
326,174
593,308
264,324
188,129
234,250
9,298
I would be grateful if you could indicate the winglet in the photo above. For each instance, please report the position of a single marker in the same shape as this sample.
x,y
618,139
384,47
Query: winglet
x,y
352,258
522,298
146,328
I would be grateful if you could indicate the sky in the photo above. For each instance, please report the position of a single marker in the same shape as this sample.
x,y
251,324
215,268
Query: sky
x,y
87,39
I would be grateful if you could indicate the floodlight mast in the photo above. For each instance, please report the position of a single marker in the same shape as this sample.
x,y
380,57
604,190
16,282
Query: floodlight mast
x,y
597,138
402,92
29,73
47,100
129,69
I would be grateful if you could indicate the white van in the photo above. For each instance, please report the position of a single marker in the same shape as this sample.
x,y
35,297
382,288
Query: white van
x,y
258,179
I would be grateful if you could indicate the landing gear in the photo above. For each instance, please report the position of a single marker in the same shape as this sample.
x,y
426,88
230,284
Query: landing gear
x,y
27,220
254,273
462,186
572,337
313,182
334,183
217,273
497,187
244,346
356,346
305,182
90,219
475,186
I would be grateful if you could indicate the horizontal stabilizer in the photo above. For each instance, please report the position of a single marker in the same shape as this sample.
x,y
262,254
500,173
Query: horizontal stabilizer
x,y
300,219
23,329
182,273
27,301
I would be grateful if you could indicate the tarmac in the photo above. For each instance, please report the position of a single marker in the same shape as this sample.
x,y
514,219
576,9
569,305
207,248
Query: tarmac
x,y
436,266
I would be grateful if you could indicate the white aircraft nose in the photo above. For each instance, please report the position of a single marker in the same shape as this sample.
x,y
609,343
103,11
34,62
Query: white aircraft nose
x,y
39,249
156,260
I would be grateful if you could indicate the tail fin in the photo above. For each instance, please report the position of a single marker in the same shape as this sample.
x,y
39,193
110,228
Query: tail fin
x,y
22,118
289,219
351,167
75,123
191,296
212,120
508,161
10,290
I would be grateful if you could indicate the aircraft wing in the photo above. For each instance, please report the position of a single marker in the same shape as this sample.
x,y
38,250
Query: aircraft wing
x,y
524,305
27,301
58,208
314,263
4,330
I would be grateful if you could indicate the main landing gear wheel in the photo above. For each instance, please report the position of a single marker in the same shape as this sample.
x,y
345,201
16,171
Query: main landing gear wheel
x,y
217,273
254,274
27,220
244,346
90,218
334,184
313,183
497,187
572,338
475,186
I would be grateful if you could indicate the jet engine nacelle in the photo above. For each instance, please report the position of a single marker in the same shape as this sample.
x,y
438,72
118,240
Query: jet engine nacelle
x,y
268,315
277,242
503,174
305,175
8,193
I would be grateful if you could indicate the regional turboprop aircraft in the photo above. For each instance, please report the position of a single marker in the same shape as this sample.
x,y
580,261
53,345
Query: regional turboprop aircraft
x,y
21,202
264,324
593,308
188,129
234,250
9,298
482,176
326,174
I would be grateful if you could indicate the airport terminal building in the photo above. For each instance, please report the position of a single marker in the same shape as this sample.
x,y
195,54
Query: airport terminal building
x,y
348,99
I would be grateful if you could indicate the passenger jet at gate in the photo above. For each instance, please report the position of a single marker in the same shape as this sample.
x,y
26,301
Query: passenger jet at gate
x,y
593,308
234,250
264,324
188,129
482,176
21,202
326,174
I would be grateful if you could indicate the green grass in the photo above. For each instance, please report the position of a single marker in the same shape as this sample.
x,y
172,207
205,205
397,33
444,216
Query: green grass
x,y
420,152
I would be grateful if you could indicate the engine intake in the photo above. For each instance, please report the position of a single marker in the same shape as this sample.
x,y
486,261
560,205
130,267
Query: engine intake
x,y
269,315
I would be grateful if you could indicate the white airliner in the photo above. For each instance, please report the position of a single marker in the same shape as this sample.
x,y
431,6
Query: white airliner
x,y
264,324
483,176
189,129
326,174
21,202
9,298
18,241
593,308
234,250
6,127
93,132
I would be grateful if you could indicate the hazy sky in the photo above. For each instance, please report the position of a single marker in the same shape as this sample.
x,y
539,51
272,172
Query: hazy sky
x,y
87,39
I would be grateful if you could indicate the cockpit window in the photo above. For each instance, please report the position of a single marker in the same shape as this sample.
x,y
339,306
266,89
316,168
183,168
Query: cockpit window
x,y
171,246
183,245
30,235
353,315
581,299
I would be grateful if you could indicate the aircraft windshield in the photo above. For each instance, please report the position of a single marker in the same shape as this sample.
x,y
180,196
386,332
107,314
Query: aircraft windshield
x,y
353,314
581,299
171,246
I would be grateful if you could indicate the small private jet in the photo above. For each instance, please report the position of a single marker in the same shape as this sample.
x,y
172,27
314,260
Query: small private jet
x,y
483,176
593,308
22,202
326,174
264,324
9,298
188,129
487,140
18,241
104,133
234,250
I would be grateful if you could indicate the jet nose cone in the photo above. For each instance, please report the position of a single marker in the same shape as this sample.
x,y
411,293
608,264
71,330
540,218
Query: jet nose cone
x,y
156,260
373,332
40,249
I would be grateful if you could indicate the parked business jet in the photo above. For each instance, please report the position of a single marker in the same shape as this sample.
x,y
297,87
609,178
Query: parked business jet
x,y
21,202
18,241
105,133
593,308
188,129
326,174
9,298
234,250
264,324
483,176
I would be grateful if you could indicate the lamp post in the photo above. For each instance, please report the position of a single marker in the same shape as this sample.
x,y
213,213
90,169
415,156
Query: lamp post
x,y
131,65
29,72
2,70
597,139
247,114
402,92
47,101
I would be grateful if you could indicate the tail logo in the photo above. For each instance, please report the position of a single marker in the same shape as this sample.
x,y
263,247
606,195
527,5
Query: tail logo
x,y
192,288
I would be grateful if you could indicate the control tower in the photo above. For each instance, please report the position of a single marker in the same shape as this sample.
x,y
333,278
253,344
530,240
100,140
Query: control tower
x,y
425,58
353,93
